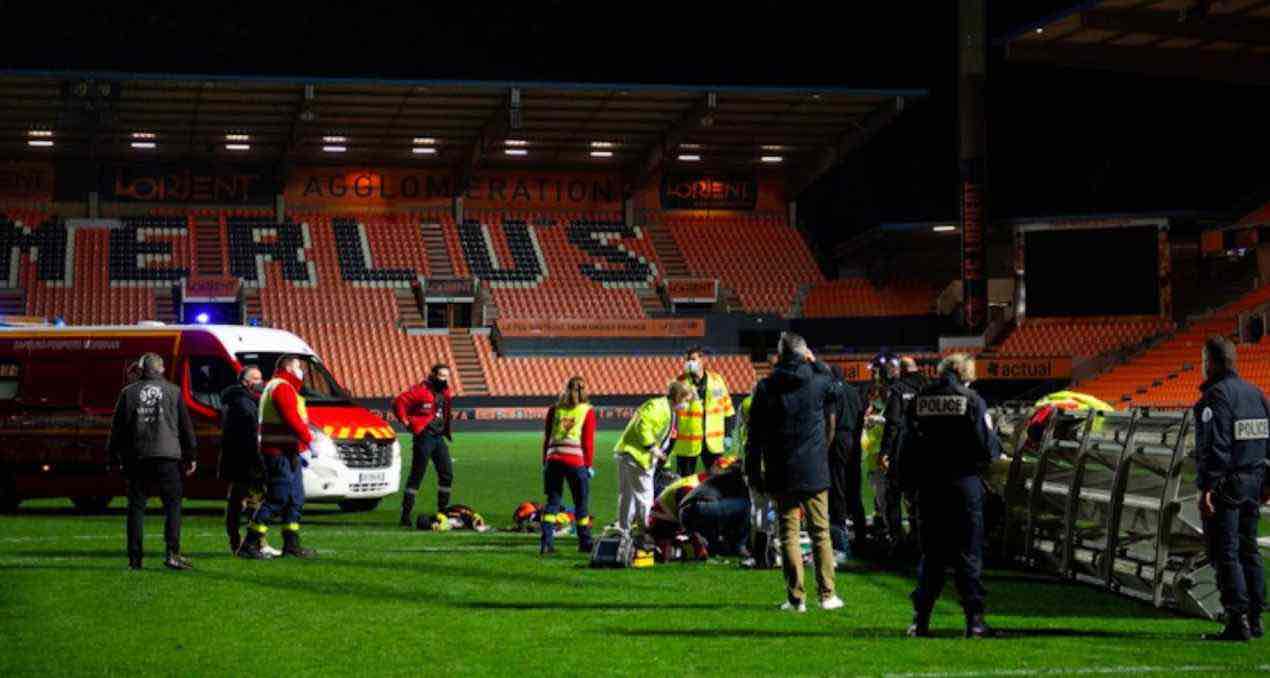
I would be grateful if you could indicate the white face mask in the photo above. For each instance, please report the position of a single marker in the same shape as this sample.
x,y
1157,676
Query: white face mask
x,y
693,366
297,372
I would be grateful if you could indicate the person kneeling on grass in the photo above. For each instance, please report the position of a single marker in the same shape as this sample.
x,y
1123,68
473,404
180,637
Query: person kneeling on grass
x,y
641,449
719,510
568,453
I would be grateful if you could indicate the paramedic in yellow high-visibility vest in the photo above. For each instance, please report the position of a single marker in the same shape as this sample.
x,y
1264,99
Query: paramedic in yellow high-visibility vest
x,y
641,450
705,427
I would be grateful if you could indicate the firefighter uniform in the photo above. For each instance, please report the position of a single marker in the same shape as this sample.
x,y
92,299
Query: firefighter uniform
x,y
703,427
284,435
1232,421
948,444
568,456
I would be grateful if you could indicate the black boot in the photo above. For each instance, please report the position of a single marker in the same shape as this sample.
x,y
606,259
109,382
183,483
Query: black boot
x,y
584,539
547,545
250,548
1254,626
1237,629
920,628
134,563
176,561
291,545
407,507
976,627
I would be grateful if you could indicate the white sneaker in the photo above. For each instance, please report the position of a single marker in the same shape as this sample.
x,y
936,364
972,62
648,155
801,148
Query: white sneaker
x,y
270,551
831,603
790,607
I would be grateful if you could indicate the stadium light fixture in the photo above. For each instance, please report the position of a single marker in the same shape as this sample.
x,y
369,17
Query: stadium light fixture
x,y
515,151
771,147
144,135
334,149
334,140
425,141
602,144
770,159
689,146
515,142
144,145
238,147
40,143
947,228
423,150
1040,30
689,157
601,154
237,137
41,133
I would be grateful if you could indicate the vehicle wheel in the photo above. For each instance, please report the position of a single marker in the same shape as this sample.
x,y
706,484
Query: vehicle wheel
x,y
91,504
358,505
9,499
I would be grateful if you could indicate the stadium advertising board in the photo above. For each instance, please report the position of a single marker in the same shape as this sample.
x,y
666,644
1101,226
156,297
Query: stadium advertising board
x,y
26,180
612,328
187,184
692,290
709,191
494,188
1027,369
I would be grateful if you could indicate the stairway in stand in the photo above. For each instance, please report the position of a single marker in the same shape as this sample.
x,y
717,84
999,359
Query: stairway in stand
x,y
672,260
468,362
251,305
209,249
409,313
439,264
650,300
165,306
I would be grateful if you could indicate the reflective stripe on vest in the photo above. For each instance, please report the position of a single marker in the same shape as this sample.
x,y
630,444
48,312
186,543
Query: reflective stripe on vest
x,y
566,431
701,426
273,429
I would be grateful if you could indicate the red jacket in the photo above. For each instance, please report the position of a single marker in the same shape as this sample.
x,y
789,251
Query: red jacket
x,y
588,442
284,400
416,407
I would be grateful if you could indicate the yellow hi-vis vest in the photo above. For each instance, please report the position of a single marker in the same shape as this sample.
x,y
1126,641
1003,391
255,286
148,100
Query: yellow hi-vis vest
x,y
274,432
650,427
741,433
566,431
702,425
667,505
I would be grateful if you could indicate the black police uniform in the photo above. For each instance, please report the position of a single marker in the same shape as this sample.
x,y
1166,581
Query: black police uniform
x,y
844,464
948,444
900,394
1232,425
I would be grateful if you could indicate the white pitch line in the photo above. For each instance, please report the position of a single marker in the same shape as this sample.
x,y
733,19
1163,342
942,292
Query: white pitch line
x,y
1080,671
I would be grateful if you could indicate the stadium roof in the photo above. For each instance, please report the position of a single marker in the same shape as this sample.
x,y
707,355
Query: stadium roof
x,y
1220,40
290,120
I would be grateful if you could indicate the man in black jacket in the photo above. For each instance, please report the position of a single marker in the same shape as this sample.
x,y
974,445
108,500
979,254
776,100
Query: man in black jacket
x,y
240,463
791,427
902,390
151,439
844,466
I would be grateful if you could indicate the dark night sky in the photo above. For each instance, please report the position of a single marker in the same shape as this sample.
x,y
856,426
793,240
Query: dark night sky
x,y
1060,141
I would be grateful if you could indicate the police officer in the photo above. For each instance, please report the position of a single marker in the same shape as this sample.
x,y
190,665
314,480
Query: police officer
x,y
906,384
844,466
1232,422
948,443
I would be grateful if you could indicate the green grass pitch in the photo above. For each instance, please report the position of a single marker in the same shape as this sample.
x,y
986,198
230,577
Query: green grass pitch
x,y
383,601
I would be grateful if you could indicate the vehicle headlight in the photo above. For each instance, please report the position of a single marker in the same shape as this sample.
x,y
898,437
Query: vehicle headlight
x,y
322,446
396,451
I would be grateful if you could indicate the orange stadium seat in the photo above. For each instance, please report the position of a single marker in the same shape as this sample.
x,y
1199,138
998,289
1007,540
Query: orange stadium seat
x,y
856,297
760,257
1081,339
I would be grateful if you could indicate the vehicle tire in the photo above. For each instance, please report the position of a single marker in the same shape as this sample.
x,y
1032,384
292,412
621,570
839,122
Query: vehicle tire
x,y
358,505
9,499
91,504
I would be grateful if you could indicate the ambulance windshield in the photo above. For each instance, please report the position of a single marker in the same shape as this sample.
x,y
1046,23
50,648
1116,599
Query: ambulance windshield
x,y
319,385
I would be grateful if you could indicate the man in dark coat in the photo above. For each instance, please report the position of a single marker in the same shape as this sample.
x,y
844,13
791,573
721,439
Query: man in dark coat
x,y
240,463
844,466
787,456
152,441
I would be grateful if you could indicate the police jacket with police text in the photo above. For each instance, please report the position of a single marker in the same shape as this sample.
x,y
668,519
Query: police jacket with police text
x,y
1232,426
948,435
902,391
786,448
151,422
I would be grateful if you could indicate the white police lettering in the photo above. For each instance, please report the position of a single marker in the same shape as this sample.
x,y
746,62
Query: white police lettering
x,y
941,406
1252,429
